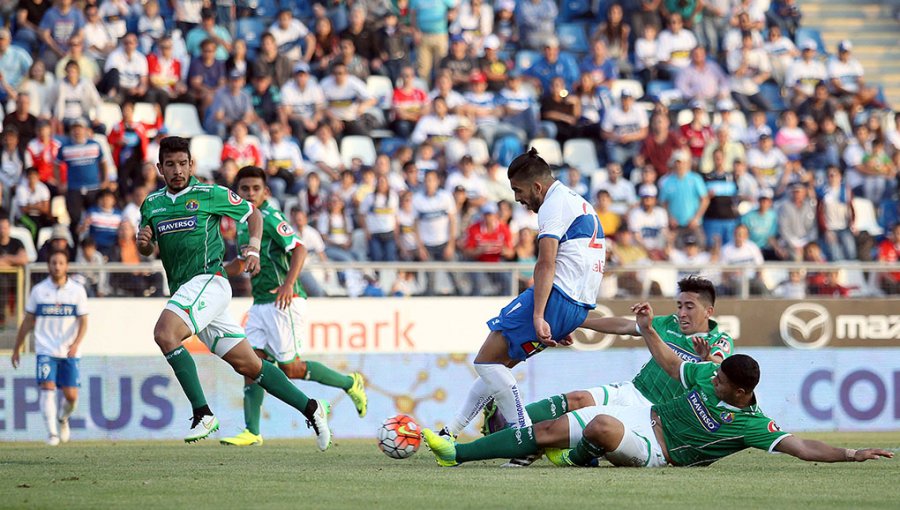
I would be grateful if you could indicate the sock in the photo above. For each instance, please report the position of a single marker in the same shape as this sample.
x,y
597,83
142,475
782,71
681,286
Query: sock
x,y
502,384
48,410
506,444
584,452
186,373
548,409
475,401
321,374
253,397
273,380
67,409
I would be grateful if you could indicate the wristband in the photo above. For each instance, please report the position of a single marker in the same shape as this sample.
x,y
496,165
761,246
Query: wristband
x,y
851,454
255,243
251,253
637,328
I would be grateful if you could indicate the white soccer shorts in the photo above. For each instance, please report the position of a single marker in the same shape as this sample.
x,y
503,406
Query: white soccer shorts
x,y
618,394
639,446
202,303
278,332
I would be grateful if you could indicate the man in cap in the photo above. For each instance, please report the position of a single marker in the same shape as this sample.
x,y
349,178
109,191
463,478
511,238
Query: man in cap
x,y
303,102
489,240
624,128
493,67
230,104
650,223
684,195
804,73
552,64
845,74
458,62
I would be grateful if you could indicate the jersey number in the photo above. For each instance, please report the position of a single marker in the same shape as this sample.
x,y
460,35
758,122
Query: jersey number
x,y
594,244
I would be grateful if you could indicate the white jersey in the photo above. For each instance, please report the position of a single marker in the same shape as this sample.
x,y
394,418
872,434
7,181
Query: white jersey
x,y
56,311
847,73
676,48
651,225
433,213
581,257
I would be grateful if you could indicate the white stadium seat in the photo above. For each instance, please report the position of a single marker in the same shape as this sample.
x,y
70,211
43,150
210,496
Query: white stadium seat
x,y
181,119
549,149
24,235
207,151
360,147
110,115
633,86
381,88
581,153
145,113
865,219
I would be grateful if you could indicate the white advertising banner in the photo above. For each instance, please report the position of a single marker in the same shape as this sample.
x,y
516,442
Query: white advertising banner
x,y
124,327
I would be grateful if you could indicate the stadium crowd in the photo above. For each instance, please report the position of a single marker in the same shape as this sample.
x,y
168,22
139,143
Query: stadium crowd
x,y
702,131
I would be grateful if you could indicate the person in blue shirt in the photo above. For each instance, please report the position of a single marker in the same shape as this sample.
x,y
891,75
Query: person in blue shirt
x,y
428,19
553,64
536,20
208,30
762,223
14,64
57,27
102,222
87,172
683,194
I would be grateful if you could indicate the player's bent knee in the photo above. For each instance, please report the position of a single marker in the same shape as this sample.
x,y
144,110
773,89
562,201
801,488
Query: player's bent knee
x,y
579,400
601,428
552,433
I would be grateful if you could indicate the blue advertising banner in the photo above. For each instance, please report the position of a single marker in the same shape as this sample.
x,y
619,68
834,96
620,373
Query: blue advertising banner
x,y
133,397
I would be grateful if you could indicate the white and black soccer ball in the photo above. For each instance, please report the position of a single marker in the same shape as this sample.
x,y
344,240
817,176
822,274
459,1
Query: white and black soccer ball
x,y
399,437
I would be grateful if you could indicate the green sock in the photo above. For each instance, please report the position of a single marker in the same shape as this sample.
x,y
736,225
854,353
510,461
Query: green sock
x,y
186,373
548,409
509,443
273,380
585,452
321,374
253,397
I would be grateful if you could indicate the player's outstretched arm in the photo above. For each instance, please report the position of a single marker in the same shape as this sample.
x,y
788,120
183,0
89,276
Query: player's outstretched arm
x,y
665,357
611,325
817,451
26,327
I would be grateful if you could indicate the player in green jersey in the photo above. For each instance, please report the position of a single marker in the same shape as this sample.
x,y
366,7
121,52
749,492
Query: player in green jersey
x,y
715,417
276,323
182,219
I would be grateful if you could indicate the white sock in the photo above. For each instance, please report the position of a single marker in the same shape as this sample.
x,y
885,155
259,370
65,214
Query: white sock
x,y
48,410
478,395
502,384
67,409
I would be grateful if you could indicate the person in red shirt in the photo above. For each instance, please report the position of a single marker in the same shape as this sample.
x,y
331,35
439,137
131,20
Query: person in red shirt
x,y
164,71
696,134
489,240
43,150
657,148
241,148
409,103
889,253
128,141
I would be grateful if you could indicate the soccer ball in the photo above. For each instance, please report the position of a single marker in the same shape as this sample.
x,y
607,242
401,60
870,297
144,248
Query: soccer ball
x,y
399,437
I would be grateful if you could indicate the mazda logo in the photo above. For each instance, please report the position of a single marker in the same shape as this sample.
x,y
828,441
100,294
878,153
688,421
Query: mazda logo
x,y
805,326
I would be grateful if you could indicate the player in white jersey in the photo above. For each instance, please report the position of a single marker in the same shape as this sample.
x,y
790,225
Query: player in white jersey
x,y
567,275
56,312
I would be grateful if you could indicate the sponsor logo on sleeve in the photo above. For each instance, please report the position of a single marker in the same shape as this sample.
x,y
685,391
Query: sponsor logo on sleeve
x,y
284,229
773,427
727,417
708,422
723,344
192,205
176,225
233,198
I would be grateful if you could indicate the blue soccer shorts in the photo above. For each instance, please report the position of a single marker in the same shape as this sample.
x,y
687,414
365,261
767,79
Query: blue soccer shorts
x,y
62,371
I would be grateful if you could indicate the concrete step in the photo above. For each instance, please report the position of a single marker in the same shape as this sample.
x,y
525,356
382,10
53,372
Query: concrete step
x,y
813,12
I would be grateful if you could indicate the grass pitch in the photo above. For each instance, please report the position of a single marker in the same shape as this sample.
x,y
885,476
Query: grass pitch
x,y
355,474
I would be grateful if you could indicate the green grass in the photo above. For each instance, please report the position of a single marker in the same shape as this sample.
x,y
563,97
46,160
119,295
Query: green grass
x,y
354,474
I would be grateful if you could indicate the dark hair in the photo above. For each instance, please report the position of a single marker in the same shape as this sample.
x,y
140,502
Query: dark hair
x,y
172,145
64,253
88,241
250,172
742,371
529,167
699,285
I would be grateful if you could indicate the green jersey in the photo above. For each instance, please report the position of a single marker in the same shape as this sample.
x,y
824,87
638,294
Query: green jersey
x,y
278,240
652,381
186,228
700,429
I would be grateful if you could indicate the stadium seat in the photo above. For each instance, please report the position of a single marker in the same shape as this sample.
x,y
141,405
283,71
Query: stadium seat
x,y
598,179
573,37
634,86
24,235
805,34
382,89
526,58
657,87
666,278
250,30
59,210
107,153
46,233
479,151
290,201
358,147
109,114
207,152
686,116
737,116
575,9
772,93
390,145
506,148
182,119
145,113
581,153
865,219
549,150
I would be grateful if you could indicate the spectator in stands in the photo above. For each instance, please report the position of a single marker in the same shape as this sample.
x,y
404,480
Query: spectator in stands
x,y
132,210
519,106
602,69
86,170
684,195
505,27
797,223
646,54
293,38
348,101
392,44
322,150
266,100
363,37
624,129
658,146
767,162
458,62
315,248
128,141
436,218
303,102
439,124
835,218
284,162
552,65
164,72
407,240
740,252
118,15
444,88
496,69
742,22
782,53
595,101
125,251
12,163
206,76
151,27
615,33
758,127
889,253
879,173
674,47
791,138
230,105
784,14
805,73
464,144
22,120
732,151
489,240
409,103
76,98
697,133
621,190
32,201
643,13
819,105
57,26
208,30
336,228
469,180
356,65
14,65
238,58
430,33
721,216
12,255
244,150
42,151
846,77
762,225
378,218
269,62
87,64
96,283
28,19
126,72
326,45
702,80
97,37
475,20
714,23
101,222
59,241
749,67
560,112
536,20
649,223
